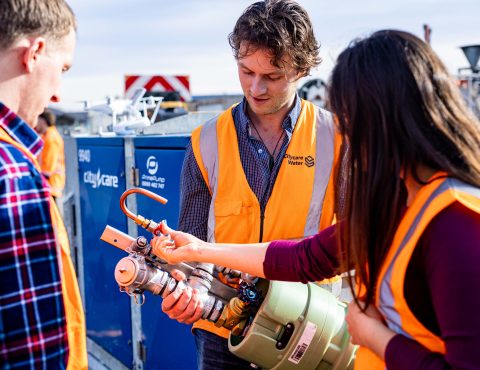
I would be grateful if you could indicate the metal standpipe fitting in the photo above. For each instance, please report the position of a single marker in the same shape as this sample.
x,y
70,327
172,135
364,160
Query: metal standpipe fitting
x,y
201,278
134,275
141,271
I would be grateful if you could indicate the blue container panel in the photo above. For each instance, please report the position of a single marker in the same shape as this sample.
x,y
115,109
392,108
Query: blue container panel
x,y
102,182
169,345
162,142
159,172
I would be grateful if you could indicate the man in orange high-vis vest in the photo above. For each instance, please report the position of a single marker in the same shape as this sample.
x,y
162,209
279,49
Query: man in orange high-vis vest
x,y
52,157
41,314
261,170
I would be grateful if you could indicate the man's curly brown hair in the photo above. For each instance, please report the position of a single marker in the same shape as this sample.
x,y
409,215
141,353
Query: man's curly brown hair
x,y
283,28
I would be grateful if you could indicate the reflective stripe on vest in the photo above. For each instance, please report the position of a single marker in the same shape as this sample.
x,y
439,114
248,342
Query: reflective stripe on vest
x,y
429,202
300,187
77,358
208,146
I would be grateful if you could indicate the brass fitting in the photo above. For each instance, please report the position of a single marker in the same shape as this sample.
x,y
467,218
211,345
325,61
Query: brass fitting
x,y
139,219
234,312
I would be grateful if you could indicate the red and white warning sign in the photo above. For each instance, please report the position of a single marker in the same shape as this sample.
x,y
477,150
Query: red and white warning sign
x,y
181,84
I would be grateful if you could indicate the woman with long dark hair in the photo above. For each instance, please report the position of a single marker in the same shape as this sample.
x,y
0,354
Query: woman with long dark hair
x,y
410,225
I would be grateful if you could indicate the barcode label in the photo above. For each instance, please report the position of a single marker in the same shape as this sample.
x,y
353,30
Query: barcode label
x,y
303,343
298,354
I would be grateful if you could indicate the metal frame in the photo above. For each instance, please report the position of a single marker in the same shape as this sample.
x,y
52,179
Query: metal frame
x,y
73,189
133,231
472,91
99,359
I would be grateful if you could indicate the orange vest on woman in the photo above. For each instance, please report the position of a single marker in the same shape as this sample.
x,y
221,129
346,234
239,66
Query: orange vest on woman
x,y
302,199
390,300
77,344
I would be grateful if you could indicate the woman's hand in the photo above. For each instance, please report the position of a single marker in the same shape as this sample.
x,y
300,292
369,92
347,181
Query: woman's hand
x,y
368,329
175,246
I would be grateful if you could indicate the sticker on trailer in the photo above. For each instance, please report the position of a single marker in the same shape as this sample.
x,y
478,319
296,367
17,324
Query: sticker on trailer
x,y
303,343
180,84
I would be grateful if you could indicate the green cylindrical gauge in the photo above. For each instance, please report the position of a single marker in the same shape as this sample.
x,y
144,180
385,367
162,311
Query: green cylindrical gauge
x,y
298,326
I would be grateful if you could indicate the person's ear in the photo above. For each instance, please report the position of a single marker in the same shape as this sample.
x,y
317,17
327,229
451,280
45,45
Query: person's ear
x,y
33,52
298,76
301,74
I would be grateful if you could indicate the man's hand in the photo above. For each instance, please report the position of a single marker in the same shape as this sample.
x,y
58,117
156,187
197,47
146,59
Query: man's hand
x,y
175,246
185,306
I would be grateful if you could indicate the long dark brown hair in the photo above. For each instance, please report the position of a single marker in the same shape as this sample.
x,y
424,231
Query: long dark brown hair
x,y
397,109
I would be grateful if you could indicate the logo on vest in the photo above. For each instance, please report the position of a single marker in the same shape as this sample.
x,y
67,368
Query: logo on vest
x,y
309,161
300,160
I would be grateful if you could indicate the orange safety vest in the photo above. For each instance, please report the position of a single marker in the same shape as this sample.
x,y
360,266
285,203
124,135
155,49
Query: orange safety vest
x,y
302,199
52,160
75,317
390,300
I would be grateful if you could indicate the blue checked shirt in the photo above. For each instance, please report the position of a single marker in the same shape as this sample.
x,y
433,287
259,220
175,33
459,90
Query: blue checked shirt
x,y
33,331
195,196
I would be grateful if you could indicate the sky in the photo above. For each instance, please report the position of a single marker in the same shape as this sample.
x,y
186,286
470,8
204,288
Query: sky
x,y
189,37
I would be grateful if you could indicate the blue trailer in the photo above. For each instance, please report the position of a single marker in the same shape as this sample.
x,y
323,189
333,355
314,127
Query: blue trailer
x,y
120,333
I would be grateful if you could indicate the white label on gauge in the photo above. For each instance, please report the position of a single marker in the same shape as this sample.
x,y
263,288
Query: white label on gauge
x,y
303,343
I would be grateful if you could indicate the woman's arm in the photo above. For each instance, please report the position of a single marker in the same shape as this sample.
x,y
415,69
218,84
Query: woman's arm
x,y
247,258
176,246
311,259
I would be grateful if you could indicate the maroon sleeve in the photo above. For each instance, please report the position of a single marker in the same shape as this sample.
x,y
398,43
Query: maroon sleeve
x,y
451,258
311,259
404,353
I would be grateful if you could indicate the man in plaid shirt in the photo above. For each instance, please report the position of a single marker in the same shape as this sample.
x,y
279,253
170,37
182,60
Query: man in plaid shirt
x,y
37,41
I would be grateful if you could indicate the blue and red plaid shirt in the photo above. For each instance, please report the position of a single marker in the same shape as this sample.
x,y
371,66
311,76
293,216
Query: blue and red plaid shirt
x,y
33,331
